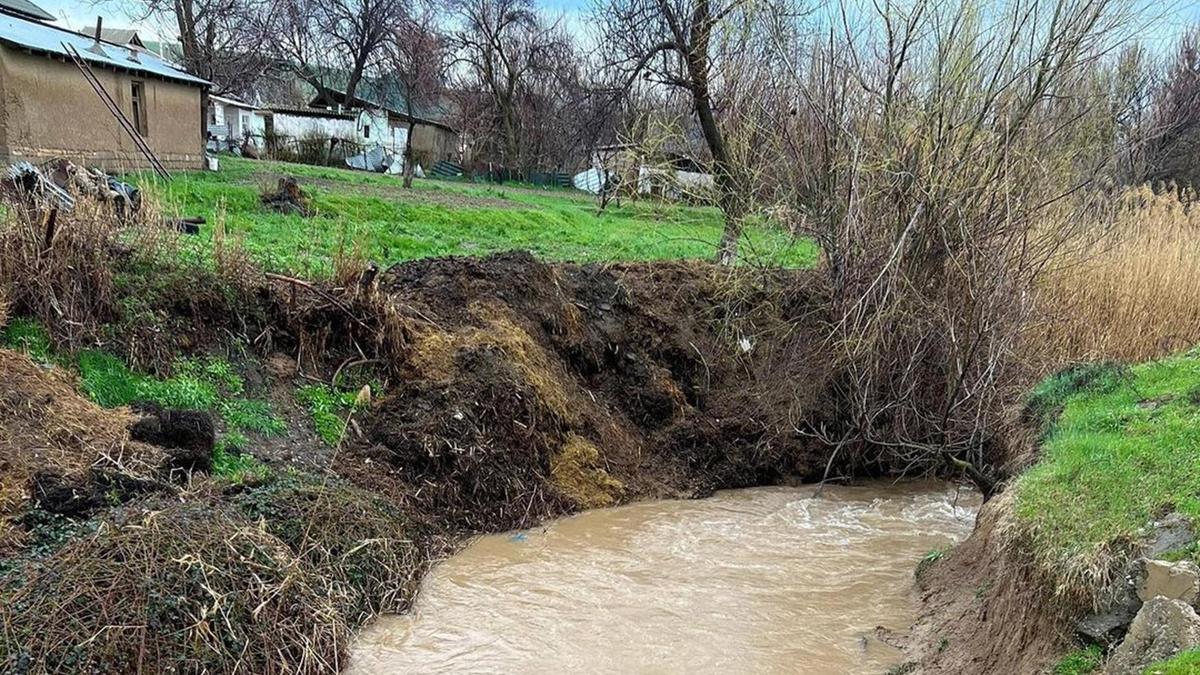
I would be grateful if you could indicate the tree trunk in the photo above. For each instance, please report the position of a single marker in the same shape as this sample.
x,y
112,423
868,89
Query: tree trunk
x,y
408,153
731,200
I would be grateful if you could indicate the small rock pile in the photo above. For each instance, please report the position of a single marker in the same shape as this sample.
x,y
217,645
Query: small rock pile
x,y
1154,616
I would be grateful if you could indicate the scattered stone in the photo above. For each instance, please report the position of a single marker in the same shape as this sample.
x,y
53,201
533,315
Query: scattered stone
x,y
1174,580
1108,626
1171,533
1162,628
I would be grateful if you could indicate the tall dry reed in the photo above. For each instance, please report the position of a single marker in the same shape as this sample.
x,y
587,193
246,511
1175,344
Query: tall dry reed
x,y
1129,294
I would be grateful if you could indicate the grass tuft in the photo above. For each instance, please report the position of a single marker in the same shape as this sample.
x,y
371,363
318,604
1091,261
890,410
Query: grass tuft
x,y
28,336
329,409
1080,662
1184,663
210,384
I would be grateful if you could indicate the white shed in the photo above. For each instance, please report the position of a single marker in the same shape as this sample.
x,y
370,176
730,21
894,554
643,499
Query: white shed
x,y
229,118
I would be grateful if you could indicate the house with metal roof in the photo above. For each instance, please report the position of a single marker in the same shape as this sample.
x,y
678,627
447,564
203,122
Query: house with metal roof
x,y
99,103
434,139
126,37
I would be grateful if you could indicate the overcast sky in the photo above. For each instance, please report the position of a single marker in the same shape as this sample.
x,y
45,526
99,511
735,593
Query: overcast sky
x,y
1172,16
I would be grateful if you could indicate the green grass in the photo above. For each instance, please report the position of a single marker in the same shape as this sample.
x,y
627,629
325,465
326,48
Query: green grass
x,y
1080,662
1124,451
209,384
329,409
27,335
1184,663
439,218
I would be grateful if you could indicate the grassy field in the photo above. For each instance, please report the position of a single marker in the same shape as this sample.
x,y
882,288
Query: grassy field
x,y
389,224
1121,454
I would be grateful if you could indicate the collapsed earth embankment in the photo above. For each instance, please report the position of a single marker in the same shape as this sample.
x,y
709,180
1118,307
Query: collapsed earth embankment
x,y
501,390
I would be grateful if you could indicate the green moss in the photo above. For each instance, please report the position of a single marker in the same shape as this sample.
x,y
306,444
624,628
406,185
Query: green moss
x,y
27,336
1118,456
1184,663
438,218
1080,662
329,409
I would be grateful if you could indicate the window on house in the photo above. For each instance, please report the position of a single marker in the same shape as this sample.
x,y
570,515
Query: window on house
x,y
366,131
137,99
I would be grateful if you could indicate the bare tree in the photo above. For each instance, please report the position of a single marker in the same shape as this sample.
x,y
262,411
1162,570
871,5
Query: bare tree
x,y
934,157
336,43
220,39
685,44
1175,138
505,45
419,58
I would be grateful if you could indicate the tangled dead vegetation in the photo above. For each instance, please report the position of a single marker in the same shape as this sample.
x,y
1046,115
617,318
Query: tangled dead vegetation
x,y
270,580
61,451
513,371
225,596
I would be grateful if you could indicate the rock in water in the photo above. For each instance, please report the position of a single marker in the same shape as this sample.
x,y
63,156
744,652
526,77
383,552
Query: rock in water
x,y
1162,628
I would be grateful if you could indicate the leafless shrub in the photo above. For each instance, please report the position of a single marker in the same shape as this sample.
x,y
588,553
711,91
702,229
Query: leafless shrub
x,y
57,266
922,152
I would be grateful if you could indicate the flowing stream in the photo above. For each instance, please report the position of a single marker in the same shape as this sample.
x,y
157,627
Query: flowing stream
x,y
764,580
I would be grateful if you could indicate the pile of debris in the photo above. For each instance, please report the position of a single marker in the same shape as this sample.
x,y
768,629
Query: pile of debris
x,y
378,160
56,183
288,198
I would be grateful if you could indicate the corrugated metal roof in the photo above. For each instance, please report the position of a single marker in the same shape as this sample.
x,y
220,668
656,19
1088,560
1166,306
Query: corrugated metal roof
x,y
26,8
41,37
119,36
229,101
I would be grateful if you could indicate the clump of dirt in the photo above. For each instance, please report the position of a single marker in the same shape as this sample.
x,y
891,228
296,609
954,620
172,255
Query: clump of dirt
x,y
188,436
288,198
528,389
60,451
576,471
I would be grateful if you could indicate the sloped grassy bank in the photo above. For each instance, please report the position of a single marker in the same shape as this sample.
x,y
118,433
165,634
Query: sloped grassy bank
x,y
248,492
1118,456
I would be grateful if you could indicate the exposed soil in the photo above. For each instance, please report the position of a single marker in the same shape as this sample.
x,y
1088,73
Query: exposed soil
x,y
986,608
530,389
513,391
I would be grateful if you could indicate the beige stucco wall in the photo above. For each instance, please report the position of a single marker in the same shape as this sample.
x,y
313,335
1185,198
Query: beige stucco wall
x,y
431,144
48,110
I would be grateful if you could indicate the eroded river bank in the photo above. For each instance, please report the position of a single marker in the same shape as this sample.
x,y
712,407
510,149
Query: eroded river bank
x,y
754,580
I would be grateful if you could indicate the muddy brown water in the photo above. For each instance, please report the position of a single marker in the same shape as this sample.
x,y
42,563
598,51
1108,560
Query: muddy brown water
x,y
764,580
